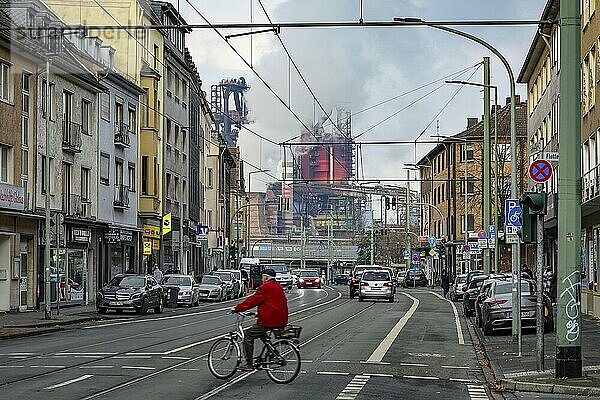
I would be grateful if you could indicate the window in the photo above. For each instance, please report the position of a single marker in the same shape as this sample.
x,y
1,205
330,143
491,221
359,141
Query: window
x,y
470,184
132,179
144,174
25,83
132,120
470,149
118,172
156,57
104,169
85,116
145,112
177,87
176,194
118,112
169,82
156,175
67,107
168,131
209,178
5,162
5,82
470,223
176,140
85,184
44,175
45,100
168,185
209,218
24,163
105,106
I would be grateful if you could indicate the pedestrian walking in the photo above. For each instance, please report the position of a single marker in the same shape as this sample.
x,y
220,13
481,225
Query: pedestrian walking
x,y
445,282
158,275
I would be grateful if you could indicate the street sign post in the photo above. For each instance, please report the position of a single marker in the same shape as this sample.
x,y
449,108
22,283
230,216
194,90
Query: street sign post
x,y
551,156
432,240
540,170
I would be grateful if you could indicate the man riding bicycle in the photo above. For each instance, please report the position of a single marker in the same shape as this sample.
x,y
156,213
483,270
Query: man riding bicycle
x,y
272,313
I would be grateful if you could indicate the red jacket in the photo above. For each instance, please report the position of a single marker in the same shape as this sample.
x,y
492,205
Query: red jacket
x,y
272,305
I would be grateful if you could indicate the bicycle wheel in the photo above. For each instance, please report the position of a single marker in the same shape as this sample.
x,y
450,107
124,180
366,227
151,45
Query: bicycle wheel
x,y
223,358
283,366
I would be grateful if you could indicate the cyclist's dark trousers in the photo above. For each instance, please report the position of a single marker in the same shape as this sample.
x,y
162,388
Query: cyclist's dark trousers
x,y
254,332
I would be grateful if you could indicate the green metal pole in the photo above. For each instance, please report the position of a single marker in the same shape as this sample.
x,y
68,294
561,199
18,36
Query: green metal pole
x,y
303,246
372,242
486,160
568,325
407,228
496,184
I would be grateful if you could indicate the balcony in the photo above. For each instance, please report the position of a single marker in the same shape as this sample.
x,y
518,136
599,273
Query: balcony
x,y
122,138
121,197
590,184
71,137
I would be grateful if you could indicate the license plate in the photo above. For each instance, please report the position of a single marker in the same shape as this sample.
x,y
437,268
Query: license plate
x,y
203,294
116,303
523,314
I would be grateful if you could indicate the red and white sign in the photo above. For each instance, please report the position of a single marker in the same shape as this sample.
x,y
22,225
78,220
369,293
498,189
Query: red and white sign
x,y
286,192
12,197
540,170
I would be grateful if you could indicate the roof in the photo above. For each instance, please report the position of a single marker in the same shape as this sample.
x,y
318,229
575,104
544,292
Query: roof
x,y
538,45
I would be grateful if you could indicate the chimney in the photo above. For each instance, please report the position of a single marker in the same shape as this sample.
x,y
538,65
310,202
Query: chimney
x,y
471,122
517,99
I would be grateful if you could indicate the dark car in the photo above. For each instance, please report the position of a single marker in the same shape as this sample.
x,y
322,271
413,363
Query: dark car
x,y
309,278
471,291
497,307
354,280
130,292
471,275
341,279
414,278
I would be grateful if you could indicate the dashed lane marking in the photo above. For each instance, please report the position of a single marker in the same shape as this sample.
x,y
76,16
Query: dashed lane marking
x,y
96,367
175,358
380,375
432,378
413,365
47,366
375,362
332,373
477,392
137,367
336,361
70,381
12,366
353,388
454,367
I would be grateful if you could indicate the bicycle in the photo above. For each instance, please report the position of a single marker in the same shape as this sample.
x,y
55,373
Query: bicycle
x,y
281,359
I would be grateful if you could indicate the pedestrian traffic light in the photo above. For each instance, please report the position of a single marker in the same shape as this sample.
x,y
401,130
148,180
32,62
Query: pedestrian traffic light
x,y
394,203
535,201
387,203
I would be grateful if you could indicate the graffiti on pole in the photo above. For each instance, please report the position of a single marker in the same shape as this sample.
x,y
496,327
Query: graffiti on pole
x,y
573,306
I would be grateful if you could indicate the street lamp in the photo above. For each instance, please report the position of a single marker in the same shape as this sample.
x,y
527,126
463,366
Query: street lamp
x,y
266,171
486,170
516,249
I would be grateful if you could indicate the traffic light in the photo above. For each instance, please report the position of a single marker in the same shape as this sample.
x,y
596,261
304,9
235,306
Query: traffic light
x,y
532,204
387,203
394,203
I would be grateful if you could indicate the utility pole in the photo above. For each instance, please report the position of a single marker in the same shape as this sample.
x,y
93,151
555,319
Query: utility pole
x,y
539,355
302,245
486,159
372,240
408,218
466,189
329,247
47,265
181,248
568,318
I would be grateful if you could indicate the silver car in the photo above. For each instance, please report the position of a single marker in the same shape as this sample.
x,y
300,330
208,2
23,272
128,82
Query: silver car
x,y
211,287
238,284
376,284
188,290
456,290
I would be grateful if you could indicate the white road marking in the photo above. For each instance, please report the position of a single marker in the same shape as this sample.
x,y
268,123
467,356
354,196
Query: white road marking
x,y
332,373
85,354
387,342
336,361
375,362
454,367
96,366
190,369
12,366
47,366
381,375
18,357
459,332
463,380
81,378
133,357
353,388
17,354
413,365
477,392
136,367
175,358
432,378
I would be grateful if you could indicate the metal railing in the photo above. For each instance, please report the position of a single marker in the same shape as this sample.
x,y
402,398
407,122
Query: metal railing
x,y
72,205
71,136
121,196
590,184
122,138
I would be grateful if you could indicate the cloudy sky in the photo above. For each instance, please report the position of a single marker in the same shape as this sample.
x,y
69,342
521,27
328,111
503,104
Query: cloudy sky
x,y
357,68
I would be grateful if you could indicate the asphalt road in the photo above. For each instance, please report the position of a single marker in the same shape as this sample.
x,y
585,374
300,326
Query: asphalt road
x,y
414,348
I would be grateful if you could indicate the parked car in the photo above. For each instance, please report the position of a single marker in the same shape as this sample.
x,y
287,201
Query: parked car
x,y
473,274
238,284
376,284
470,293
230,284
415,277
294,274
188,290
130,292
212,287
496,311
341,279
282,274
355,277
400,277
456,293
309,278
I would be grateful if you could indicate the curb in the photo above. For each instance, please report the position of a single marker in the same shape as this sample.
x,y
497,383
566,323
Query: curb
x,y
35,332
518,386
54,323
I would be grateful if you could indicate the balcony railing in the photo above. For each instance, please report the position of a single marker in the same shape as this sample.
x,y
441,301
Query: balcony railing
x,y
121,196
71,138
590,184
122,135
72,205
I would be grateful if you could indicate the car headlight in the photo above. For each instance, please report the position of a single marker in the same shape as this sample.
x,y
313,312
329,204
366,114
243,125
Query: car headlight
x,y
100,295
185,293
301,280
136,296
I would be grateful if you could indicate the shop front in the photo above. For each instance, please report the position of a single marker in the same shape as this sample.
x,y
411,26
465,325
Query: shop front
x,y
150,248
119,253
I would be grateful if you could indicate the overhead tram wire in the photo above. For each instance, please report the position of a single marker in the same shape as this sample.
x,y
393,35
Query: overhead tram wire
x,y
413,103
263,81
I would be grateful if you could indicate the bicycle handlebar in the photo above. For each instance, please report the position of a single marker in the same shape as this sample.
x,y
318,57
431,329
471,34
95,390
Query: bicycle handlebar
x,y
247,313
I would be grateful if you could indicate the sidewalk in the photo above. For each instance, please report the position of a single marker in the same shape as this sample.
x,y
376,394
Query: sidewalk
x,y
19,324
515,373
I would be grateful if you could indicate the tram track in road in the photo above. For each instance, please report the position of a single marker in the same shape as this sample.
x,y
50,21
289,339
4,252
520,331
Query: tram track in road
x,y
106,356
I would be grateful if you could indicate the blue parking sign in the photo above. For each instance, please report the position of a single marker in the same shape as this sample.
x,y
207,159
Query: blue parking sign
x,y
512,212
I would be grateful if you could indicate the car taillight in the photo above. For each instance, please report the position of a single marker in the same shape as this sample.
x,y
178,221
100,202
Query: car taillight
x,y
496,302
317,280
387,284
364,284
